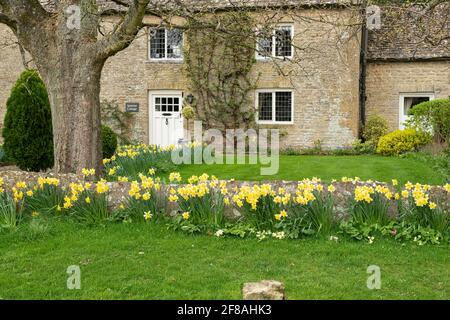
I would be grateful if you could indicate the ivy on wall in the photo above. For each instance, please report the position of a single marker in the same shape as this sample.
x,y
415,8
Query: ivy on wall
x,y
219,58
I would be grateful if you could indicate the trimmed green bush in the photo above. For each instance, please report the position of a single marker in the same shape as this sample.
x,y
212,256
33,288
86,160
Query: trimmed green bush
x,y
432,116
374,129
401,141
27,131
109,142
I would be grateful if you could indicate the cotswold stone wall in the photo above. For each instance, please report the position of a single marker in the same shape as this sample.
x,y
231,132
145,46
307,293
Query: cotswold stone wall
x,y
10,67
387,80
118,191
325,82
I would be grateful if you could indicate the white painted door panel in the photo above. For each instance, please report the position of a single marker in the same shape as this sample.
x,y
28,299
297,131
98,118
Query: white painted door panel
x,y
167,121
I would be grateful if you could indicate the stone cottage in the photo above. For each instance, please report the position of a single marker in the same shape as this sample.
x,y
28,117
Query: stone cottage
x,y
318,82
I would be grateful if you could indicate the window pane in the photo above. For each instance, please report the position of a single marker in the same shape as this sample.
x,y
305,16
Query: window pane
x,y
265,47
265,106
410,102
157,44
283,46
174,43
283,106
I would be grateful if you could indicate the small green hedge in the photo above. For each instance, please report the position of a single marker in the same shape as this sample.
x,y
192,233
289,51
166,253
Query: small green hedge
x,y
109,142
401,141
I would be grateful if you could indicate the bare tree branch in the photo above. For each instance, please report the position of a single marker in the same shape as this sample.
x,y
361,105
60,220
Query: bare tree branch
x,y
125,31
8,21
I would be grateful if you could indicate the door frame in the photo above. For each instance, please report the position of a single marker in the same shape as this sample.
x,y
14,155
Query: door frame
x,y
151,113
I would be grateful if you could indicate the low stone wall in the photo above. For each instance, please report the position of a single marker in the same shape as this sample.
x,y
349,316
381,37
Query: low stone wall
x,y
118,191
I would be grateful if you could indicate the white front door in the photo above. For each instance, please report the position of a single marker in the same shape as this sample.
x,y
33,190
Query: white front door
x,y
166,119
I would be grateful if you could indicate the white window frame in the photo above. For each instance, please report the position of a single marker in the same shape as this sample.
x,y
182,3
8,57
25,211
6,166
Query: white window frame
x,y
403,117
274,46
274,91
165,47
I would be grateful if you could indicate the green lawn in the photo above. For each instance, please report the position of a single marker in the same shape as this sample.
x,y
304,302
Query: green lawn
x,y
178,266
327,168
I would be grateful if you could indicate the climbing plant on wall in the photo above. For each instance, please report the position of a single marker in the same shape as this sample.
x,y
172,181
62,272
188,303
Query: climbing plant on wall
x,y
219,58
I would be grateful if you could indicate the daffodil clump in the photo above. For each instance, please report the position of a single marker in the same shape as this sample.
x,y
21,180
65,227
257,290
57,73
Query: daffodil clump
x,y
132,160
259,204
371,203
310,211
45,196
87,202
419,207
143,202
10,210
201,198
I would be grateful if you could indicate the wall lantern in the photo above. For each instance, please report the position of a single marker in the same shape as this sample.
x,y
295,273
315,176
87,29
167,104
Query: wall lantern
x,y
189,98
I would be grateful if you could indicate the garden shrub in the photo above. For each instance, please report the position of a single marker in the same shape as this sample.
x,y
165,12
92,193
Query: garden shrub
x,y
374,129
4,159
27,130
432,116
109,142
366,147
401,141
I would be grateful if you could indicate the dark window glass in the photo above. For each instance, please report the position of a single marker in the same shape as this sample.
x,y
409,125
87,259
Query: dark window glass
x,y
283,106
158,44
265,106
283,46
174,43
265,47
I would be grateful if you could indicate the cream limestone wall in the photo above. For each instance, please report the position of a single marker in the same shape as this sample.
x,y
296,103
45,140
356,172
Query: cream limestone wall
x,y
387,80
10,67
324,76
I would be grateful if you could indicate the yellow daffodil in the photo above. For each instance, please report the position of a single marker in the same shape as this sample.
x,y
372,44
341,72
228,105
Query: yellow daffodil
x,y
102,187
174,177
146,196
147,215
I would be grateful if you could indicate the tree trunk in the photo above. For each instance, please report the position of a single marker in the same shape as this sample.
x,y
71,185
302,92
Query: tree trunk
x,y
69,56
74,93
